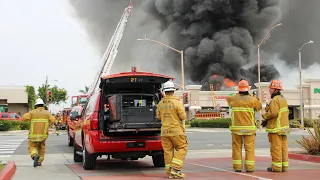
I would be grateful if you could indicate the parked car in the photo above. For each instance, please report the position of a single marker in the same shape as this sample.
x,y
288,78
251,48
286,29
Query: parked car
x,y
10,116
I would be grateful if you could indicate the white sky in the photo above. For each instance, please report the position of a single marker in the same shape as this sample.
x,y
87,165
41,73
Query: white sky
x,y
39,38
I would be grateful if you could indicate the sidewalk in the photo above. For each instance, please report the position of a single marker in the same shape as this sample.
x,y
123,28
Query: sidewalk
x,y
293,130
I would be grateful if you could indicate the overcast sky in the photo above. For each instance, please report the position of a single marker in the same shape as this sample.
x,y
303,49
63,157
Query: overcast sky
x,y
41,37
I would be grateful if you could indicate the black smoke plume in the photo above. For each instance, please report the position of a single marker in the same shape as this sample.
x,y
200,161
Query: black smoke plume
x,y
218,36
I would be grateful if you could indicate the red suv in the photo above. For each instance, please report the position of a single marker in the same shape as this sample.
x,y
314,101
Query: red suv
x,y
120,120
10,116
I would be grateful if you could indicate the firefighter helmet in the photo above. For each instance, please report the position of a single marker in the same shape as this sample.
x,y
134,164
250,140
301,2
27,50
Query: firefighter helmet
x,y
243,86
39,101
276,84
168,86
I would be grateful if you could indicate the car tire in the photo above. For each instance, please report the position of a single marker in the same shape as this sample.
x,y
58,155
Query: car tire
x,y
89,160
158,161
70,140
76,157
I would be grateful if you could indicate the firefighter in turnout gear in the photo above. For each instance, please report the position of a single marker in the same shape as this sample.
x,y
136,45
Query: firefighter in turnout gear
x,y
171,113
39,123
277,117
58,118
243,126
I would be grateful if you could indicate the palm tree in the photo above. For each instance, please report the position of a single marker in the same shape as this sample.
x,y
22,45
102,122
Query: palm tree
x,y
85,91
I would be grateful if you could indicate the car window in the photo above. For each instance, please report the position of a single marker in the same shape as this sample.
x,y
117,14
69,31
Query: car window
x,y
4,115
12,115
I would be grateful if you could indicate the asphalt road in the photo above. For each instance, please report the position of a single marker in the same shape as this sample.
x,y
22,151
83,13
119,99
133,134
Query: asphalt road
x,y
196,141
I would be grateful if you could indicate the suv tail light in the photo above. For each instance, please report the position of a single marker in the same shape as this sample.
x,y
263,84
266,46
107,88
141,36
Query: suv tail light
x,y
94,121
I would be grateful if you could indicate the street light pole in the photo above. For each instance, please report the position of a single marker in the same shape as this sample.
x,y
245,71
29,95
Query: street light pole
x,y
300,78
182,64
259,81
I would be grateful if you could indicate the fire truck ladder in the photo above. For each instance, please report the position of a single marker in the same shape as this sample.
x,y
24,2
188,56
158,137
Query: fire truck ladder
x,y
212,96
112,50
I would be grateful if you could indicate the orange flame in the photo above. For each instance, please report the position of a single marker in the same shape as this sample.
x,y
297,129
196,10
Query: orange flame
x,y
227,82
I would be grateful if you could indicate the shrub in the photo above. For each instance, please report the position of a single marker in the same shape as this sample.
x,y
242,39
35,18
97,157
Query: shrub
x,y
211,123
311,144
307,122
6,125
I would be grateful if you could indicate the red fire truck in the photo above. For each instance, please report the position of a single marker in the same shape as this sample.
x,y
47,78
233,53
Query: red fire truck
x,y
79,100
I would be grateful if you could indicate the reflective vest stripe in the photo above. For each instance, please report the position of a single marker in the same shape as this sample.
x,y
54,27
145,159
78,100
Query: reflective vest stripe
x,y
38,137
279,127
241,109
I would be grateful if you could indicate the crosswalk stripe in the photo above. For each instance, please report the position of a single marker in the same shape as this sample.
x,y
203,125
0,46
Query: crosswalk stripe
x,y
8,146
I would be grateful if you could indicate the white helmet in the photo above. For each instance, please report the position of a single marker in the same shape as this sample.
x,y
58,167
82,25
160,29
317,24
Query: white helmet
x,y
39,101
168,86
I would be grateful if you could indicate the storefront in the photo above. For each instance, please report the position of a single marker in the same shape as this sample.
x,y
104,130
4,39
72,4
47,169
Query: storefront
x,y
196,99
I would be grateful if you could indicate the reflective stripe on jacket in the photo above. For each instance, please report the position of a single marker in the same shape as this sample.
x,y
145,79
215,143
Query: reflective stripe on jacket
x,y
277,115
243,113
38,130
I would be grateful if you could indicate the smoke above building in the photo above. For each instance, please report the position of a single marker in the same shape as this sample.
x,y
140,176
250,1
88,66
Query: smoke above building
x,y
219,37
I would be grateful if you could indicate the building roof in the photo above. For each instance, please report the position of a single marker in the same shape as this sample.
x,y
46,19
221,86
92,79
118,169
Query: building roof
x,y
14,94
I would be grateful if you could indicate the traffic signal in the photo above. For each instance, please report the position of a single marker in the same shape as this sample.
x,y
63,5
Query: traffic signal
x,y
49,96
186,101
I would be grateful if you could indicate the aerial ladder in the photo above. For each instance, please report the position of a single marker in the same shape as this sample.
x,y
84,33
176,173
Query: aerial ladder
x,y
111,52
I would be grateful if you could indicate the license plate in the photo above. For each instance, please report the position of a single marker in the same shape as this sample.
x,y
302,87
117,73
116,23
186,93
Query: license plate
x,y
136,145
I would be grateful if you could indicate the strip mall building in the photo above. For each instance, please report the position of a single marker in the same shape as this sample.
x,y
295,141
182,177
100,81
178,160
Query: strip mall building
x,y
311,98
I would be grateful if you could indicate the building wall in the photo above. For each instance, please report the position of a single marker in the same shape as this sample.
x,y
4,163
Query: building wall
x,y
18,108
16,98
311,97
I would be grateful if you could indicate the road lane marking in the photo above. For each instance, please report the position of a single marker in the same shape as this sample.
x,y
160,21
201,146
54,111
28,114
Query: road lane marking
x,y
211,167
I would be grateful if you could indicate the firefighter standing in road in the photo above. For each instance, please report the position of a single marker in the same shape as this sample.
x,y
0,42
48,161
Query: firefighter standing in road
x,y
277,117
171,112
39,123
243,126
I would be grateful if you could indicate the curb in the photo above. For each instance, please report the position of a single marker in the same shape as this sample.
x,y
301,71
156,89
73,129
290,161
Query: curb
x,y
304,157
8,171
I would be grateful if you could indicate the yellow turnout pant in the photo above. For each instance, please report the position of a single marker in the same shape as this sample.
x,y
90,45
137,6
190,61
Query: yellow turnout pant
x,y
279,152
248,141
174,159
37,148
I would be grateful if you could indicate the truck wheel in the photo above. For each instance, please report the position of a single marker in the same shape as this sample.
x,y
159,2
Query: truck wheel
x,y
158,161
89,160
76,157
70,139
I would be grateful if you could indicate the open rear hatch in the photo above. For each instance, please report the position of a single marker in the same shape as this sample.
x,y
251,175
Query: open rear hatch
x,y
132,102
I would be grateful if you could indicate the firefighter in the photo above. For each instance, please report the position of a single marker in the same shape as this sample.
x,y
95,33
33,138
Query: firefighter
x,y
39,123
58,123
171,113
243,126
277,117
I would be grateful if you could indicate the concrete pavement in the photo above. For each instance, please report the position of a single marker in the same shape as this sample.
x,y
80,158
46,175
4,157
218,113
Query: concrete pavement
x,y
208,158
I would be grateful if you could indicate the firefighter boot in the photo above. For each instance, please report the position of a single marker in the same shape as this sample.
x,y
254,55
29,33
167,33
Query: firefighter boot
x,y
36,160
176,174
269,169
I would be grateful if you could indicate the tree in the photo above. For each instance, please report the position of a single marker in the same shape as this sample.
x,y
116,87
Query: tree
x,y
31,96
85,91
58,94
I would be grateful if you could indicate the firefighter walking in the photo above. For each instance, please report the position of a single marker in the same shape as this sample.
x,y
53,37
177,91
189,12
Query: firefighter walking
x,y
277,117
39,124
243,126
171,112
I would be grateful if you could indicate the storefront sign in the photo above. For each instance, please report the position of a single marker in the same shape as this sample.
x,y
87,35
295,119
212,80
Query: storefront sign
x,y
316,90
